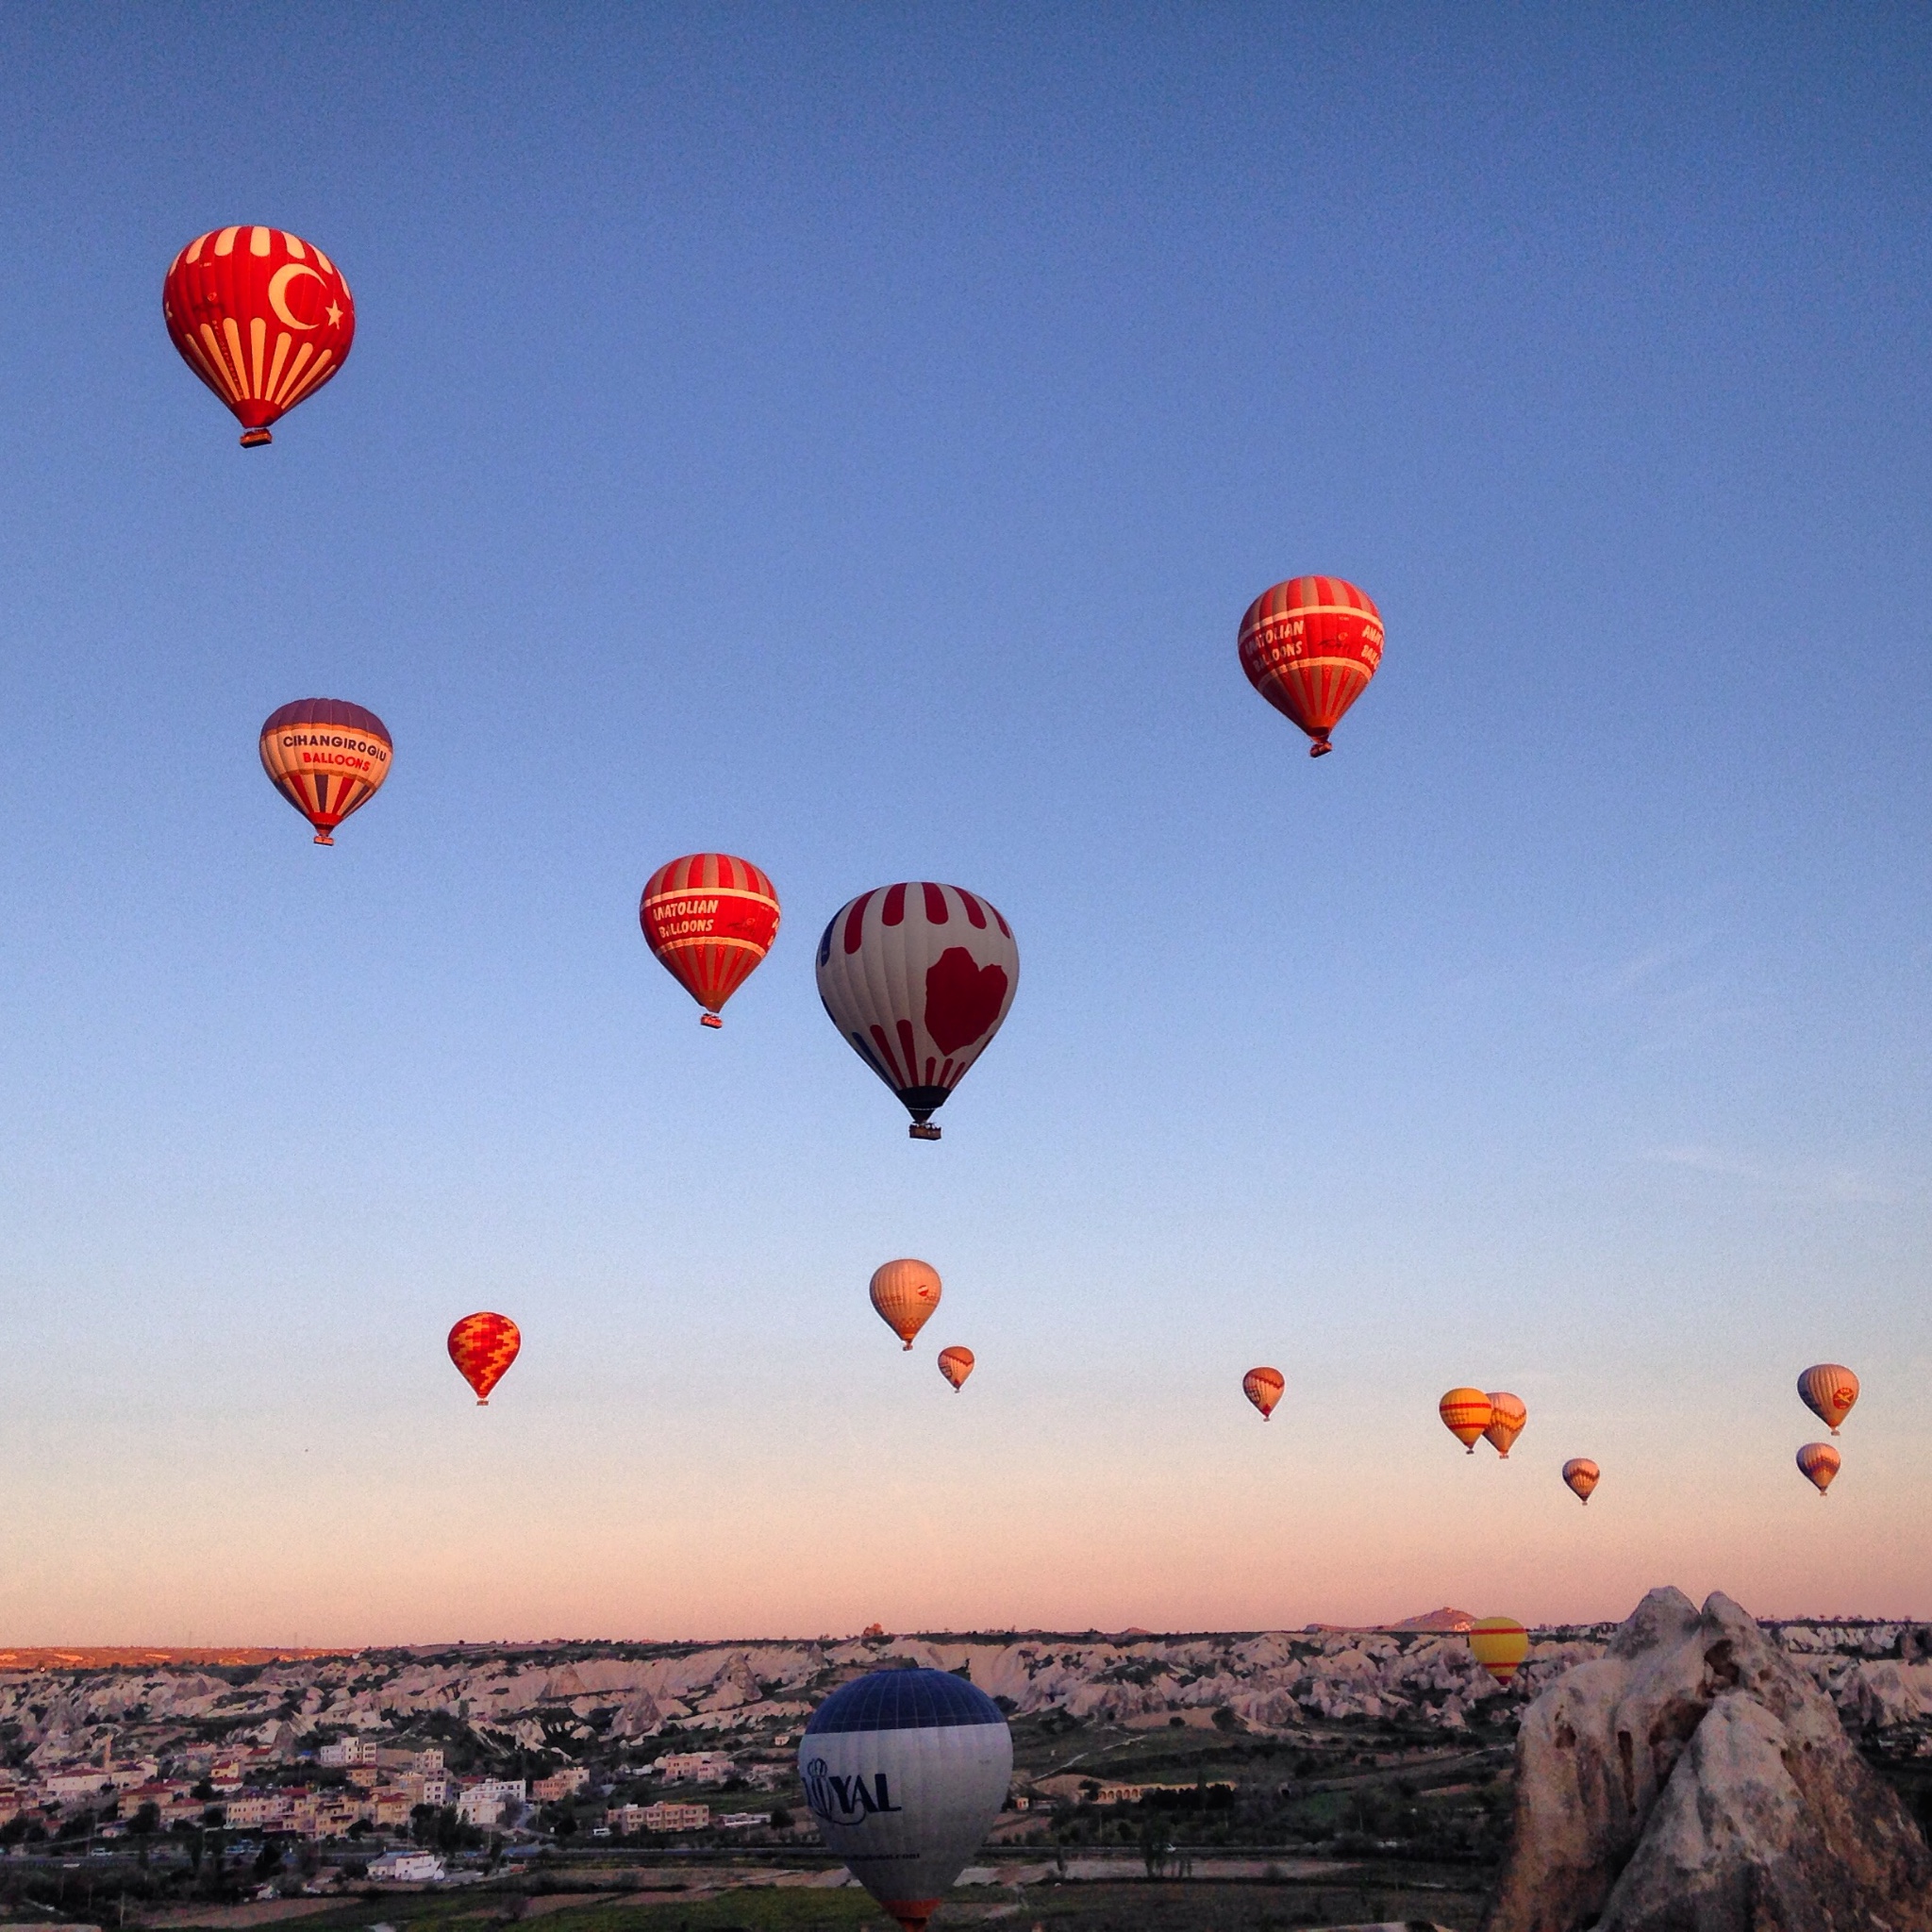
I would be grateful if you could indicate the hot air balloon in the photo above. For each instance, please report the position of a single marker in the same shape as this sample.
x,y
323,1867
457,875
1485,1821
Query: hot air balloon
x,y
483,1346
1263,1387
327,757
1507,1418
1582,1475
1500,1644
1818,1462
955,1364
1828,1391
906,1294
1465,1414
1309,646
904,1771
262,317
918,977
711,919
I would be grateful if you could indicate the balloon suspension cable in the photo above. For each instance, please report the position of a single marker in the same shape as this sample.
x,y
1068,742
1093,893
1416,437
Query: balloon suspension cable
x,y
710,1019
921,1131
254,439
322,837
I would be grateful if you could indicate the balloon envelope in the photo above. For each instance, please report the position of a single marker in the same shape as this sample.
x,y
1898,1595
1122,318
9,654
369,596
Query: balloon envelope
x,y
483,1346
904,1771
1818,1462
711,919
918,977
327,757
1465,1414
1309,646
955,1364
907,1295
263,317
1500,1644
1507,1418
1263,1387
1582,1475
1828,1391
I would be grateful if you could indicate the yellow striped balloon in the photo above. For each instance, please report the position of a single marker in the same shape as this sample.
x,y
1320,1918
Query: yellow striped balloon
x,y
907,1295
1465,1414
1500,1644
1507,1418
1828,1391
1818,1462
1582,1475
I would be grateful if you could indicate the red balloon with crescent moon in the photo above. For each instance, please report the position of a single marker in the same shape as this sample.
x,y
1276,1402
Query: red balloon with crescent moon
x,y
711,919
483,1346
263,317
1309,646
918,977
327,757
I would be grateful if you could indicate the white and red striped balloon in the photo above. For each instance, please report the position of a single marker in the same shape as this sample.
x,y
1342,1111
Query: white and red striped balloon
x,y
918,977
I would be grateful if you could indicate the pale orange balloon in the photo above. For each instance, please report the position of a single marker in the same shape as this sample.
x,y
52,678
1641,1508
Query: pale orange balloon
x,y
955,1364
1507,1418
1263,1387
1818,1462
1828,1391
1465,1414
1500,1644
1582,1475
907,1294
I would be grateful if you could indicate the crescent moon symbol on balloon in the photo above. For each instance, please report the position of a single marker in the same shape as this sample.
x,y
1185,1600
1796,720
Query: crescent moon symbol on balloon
x,y
278,292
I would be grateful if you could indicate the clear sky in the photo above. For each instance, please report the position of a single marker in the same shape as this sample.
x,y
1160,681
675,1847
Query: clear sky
x,y
849,437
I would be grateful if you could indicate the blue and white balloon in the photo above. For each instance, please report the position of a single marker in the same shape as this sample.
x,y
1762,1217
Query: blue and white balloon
x,y
906,1772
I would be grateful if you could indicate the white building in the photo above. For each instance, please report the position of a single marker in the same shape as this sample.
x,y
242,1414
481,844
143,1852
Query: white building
x,y
408,1867
479,1806
347,1751
739,1821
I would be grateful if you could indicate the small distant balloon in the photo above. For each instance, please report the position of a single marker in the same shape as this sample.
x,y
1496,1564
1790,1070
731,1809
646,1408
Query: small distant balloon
x,y
1828,1391
482,1347
907,1295
1263,1387
327,757
918,977
955,1364
1507,1418
1309,646
711,919
1818,1462
263,317
1465,1413
1582,1475
1500,1644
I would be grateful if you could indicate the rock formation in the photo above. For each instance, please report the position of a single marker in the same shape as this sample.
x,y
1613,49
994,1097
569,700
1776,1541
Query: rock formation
x,y
1695,1779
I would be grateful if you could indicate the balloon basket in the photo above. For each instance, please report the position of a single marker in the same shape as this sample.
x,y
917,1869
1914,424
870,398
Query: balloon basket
x,y
322,837
710,1019
1320,749
254,439
921,1131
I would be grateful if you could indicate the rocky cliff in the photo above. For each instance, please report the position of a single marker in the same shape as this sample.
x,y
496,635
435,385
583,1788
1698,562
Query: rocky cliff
x,y
1695,1778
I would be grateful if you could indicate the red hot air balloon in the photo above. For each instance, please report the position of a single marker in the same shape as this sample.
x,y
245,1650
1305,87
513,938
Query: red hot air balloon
x,y
1263,1387
483,1346
262,317
1309,646
918,977
711,919
327,757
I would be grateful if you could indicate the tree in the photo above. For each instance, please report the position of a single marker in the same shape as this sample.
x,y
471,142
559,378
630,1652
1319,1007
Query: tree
x,y
145,1822
781,1820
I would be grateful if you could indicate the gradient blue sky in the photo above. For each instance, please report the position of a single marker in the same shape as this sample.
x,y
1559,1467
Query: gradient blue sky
x,y
849,437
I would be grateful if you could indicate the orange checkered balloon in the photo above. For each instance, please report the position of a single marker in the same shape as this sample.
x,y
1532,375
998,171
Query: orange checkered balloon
x,y
483,1346
1263,1387
955,1364
907,1295
263,317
